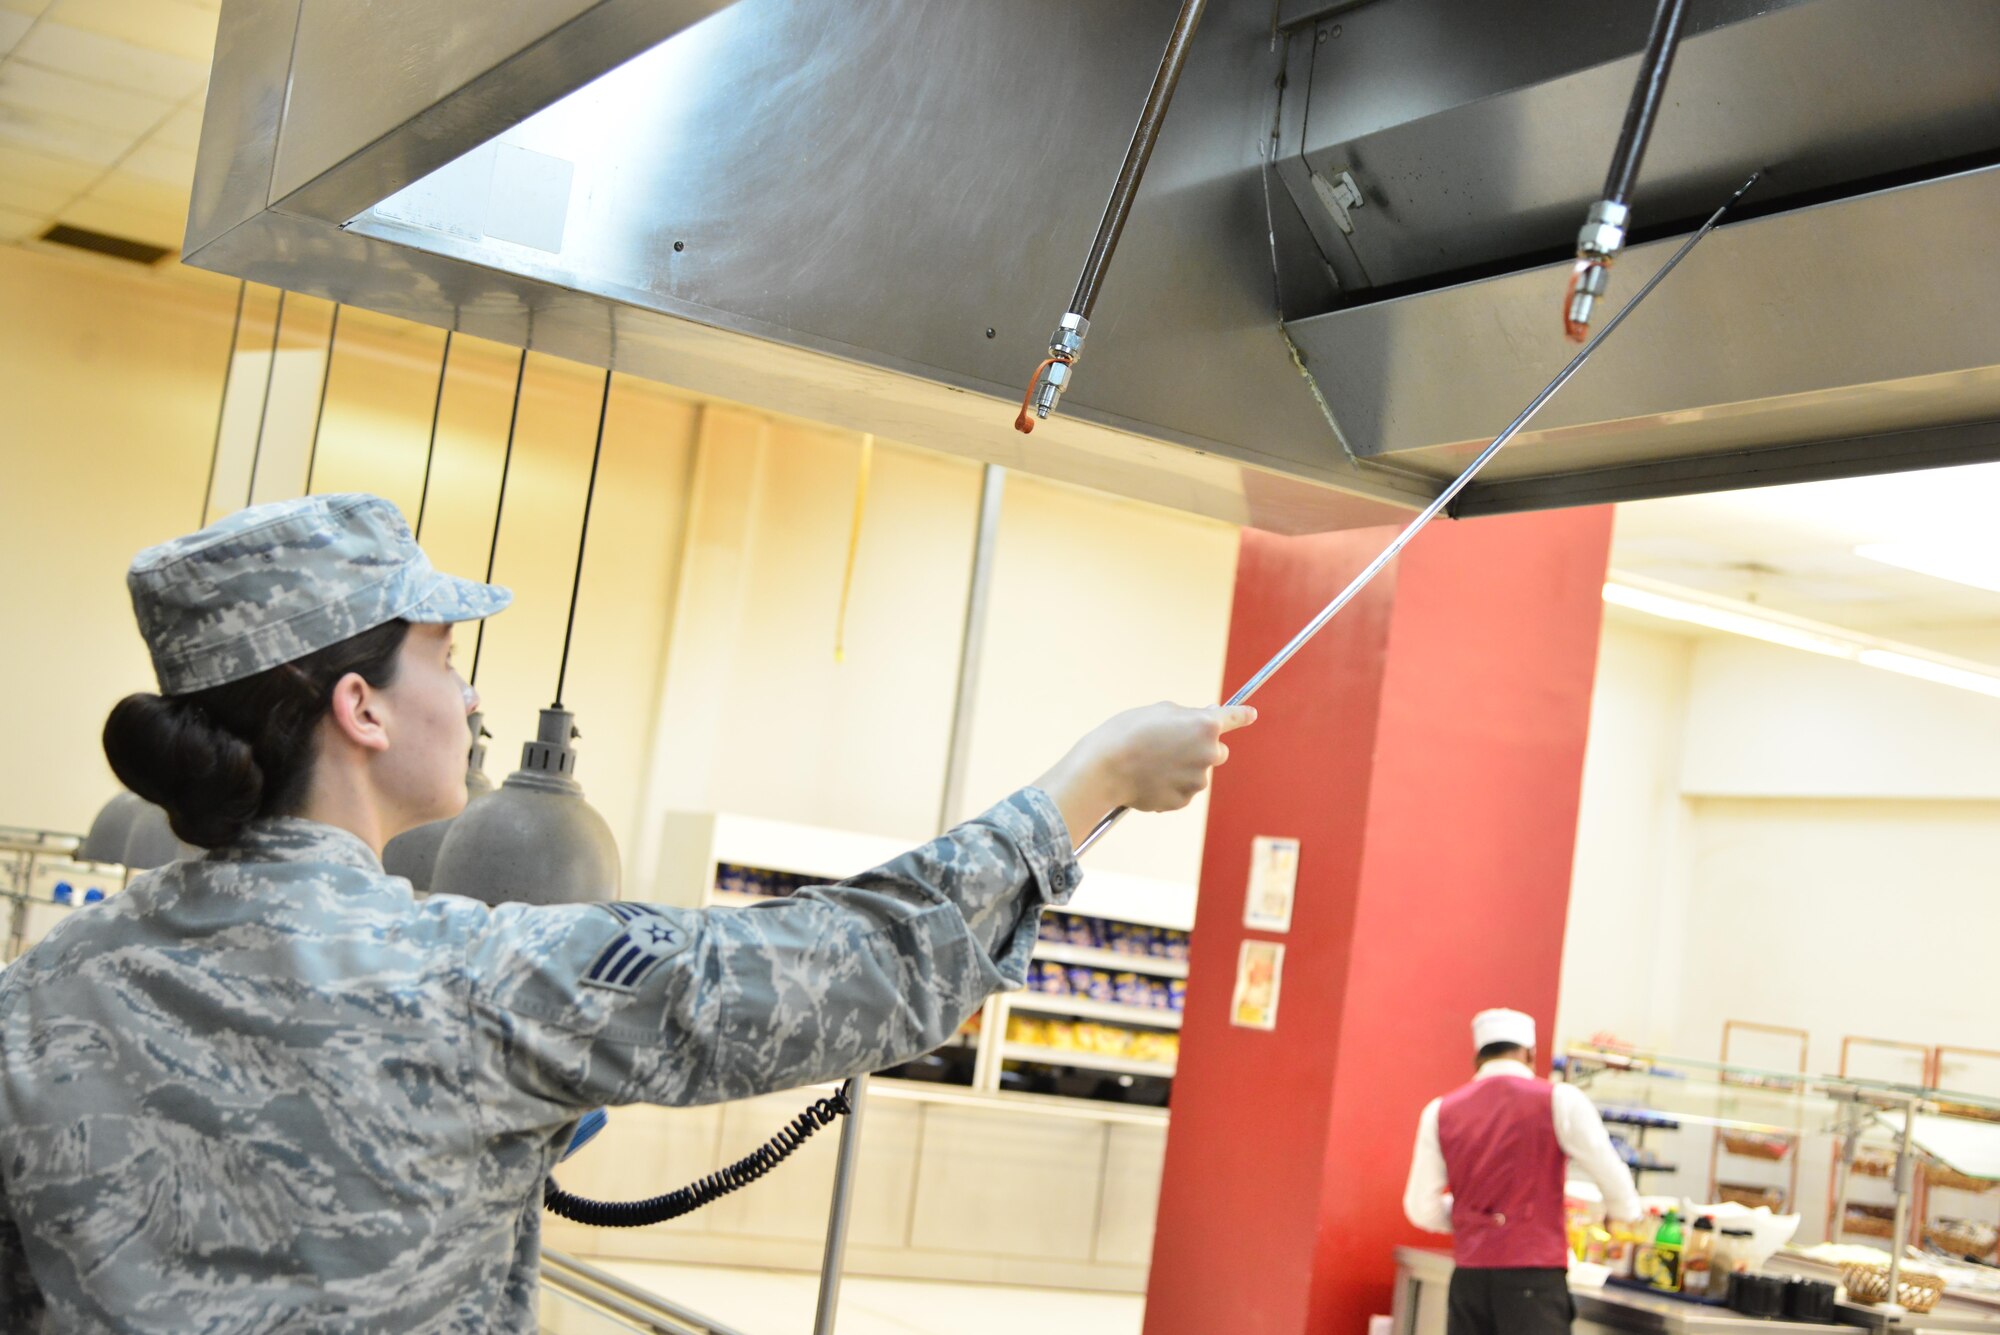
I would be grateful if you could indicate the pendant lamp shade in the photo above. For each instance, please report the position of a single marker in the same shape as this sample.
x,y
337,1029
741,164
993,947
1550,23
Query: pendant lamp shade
x,y
533,840
106,840
152,841
413,853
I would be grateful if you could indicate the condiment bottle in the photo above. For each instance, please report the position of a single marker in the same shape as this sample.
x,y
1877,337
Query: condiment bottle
x,y
1698,1258
1732,1258
1667,1254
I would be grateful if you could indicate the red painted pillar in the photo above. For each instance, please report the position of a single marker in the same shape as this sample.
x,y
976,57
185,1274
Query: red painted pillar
x,y
1427,751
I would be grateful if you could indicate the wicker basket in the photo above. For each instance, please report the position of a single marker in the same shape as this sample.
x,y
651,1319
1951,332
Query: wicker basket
x,y
1752,1145
1940,1176
1875,1163
1962,1237
1868,1282
1750,1198
1869,1221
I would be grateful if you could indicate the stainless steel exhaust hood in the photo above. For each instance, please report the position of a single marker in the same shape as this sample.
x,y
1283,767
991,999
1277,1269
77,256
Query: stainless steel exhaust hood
x,y
870,215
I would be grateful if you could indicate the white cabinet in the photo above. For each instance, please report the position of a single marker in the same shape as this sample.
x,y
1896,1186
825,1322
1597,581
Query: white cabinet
x,y
950,1184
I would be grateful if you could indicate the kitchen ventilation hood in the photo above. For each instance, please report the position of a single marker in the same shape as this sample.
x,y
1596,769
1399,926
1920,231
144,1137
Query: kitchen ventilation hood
x,y
1343,273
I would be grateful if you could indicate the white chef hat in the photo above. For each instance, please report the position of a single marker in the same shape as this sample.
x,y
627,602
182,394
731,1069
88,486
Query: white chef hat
x,y
1502,1026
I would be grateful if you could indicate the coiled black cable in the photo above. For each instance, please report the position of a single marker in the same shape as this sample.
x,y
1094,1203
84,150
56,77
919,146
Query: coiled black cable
x,y
688,1199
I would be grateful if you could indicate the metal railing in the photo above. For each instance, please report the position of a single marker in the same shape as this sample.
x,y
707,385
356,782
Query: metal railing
x,y
580,1299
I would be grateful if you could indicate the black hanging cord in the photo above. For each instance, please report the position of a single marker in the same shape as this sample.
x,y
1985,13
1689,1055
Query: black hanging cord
x,y
583,538
659,1209
1644,108
500,507
228,370
325,378
430,452
270,374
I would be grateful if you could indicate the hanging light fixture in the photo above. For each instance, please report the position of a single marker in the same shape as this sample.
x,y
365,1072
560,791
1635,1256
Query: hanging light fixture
x,y
106,840
151,842
535,840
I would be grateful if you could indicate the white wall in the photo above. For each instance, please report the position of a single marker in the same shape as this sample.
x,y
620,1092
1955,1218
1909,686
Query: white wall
x,y
1770,722
1622,952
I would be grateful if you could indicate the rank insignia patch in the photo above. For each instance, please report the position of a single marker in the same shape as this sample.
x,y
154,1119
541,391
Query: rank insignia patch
x,y
648,938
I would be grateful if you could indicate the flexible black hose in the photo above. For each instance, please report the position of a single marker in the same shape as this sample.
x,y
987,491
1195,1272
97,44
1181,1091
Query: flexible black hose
x,y
1137,153
1644,108
659,1209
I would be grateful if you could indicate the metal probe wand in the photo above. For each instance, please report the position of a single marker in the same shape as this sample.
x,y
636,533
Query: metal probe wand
x,y
1445,497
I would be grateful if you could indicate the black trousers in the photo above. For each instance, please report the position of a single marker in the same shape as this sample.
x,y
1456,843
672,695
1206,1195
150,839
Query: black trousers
x,y
1509,1302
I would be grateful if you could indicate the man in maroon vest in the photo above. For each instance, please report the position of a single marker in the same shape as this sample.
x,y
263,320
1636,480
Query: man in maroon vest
x,y
1489,1171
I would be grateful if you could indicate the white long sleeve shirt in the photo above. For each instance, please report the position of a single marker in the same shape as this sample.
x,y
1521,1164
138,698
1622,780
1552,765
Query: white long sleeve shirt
x,y
1579,1130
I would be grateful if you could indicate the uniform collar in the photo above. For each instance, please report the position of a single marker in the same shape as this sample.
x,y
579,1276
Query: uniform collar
x,y
295,839
1513,1068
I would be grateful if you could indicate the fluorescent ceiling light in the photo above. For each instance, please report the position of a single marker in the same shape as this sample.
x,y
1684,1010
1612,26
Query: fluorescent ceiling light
x,y
1734,622
1979,570
1944,674
1678,603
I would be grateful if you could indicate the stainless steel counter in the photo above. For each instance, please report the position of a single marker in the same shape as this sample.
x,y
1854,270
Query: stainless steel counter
x,y
1422,1278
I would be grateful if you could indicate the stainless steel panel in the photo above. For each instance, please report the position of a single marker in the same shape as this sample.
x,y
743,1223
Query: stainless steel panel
x,y
1819,325
386,92
731,195
1479,139
239,126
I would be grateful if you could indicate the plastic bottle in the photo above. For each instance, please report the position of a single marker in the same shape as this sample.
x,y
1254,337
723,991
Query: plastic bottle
x,y
1621,1254
1667,1254
1644,1262
1697,1263
1732,1258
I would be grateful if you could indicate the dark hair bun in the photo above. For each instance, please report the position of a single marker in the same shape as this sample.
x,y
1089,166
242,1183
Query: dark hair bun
x,y
170,752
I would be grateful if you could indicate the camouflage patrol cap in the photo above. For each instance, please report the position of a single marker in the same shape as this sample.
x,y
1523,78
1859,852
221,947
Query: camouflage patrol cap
x,y
276,582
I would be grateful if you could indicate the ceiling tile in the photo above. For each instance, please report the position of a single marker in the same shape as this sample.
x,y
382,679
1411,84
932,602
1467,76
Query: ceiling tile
x,y
125,190
159,229
12,25
60,137
32,197
161,162
182,129
32,88
45,172
18,226
109,60
173,26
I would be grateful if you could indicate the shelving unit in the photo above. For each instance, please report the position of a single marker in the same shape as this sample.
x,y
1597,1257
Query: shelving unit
x,y
1734,1032
1902,1059
701,850
1116,961
32,865
1083,1008
1090,1061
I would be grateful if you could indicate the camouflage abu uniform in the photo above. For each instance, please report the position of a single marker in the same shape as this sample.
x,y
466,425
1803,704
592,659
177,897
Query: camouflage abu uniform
x,y
270,1091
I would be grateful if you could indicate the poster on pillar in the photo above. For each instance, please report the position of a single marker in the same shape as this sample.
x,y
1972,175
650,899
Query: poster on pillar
x,y
1274,877
1260,971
